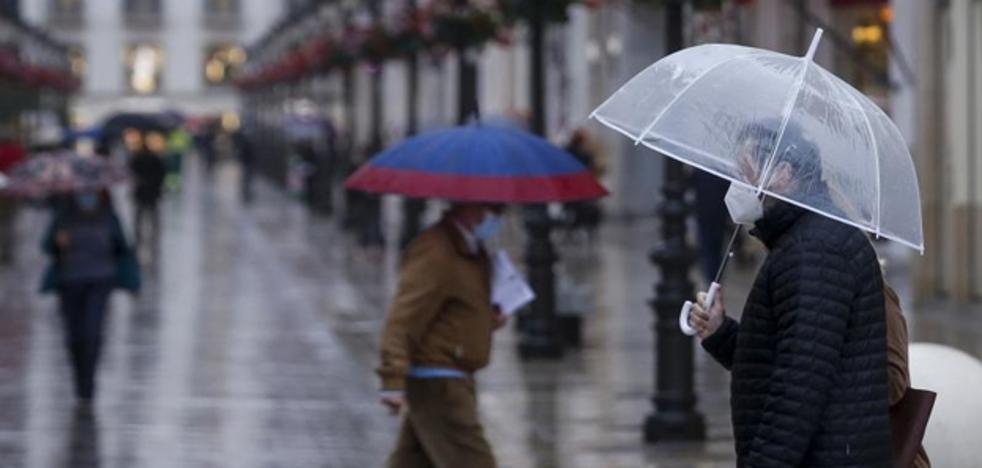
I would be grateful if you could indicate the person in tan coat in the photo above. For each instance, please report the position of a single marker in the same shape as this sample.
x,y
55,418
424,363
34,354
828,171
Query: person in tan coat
x,y
898,373
437,335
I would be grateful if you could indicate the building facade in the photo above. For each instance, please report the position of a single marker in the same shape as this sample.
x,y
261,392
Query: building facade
x,y
944,115
153,55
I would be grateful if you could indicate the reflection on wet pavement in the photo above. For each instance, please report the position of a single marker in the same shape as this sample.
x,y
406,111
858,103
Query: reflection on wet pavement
x,y
254,342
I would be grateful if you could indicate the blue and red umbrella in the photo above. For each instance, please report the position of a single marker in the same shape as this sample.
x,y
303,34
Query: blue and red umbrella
x,y
478,163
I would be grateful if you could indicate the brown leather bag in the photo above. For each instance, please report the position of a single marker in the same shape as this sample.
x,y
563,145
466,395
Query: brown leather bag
x,y
910,408
908,420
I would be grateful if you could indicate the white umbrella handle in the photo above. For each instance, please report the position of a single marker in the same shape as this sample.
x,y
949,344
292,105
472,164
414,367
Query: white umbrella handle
x,y
687,308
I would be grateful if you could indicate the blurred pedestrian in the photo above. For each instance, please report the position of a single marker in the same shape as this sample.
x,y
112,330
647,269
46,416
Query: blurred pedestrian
x,y
247,160
310,165
89,258
11,154
148,171
204,142
368,208
178,142
583,215
809,355
437,334
328,170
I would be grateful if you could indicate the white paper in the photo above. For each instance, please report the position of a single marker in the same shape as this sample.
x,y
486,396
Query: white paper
x,y
509,291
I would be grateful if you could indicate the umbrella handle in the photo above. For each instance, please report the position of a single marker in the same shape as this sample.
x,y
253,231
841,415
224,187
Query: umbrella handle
x,y
687,309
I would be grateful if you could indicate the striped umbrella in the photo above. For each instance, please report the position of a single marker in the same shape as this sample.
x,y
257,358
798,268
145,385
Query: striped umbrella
x,y
478,163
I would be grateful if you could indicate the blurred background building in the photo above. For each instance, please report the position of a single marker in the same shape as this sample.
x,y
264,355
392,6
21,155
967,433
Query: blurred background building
x,y
920,60
35,81
153,55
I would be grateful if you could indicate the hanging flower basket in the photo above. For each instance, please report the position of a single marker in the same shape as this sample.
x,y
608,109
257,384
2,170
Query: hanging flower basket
x,y
467,26
375,45
697,4
415,34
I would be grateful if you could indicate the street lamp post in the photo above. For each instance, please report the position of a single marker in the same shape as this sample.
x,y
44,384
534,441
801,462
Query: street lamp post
x,y
412,208
371,222
349,220
540,331
674,416
467,74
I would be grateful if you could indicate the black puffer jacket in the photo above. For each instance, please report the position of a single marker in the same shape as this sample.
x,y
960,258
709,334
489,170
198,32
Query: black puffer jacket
x,y
808,358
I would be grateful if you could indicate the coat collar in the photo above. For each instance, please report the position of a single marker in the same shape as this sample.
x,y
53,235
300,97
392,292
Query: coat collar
x,y
781,215
460,243
778,218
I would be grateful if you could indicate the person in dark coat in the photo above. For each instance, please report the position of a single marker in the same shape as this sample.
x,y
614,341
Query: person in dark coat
x,y
585,215
90,258
149,172
808,356
247,161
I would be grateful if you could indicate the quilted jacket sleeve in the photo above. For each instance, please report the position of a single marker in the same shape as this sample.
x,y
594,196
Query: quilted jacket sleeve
x,y
721,344
811,294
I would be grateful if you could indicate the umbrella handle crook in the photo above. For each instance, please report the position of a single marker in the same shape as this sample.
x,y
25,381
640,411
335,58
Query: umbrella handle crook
x,y
687,309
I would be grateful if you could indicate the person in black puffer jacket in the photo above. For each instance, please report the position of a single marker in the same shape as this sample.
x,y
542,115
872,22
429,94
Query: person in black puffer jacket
x,y
808,357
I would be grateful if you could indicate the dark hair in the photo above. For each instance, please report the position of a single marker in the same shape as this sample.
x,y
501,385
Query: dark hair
x,y
795,149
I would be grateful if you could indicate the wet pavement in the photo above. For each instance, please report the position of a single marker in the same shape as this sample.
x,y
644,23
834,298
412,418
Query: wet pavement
x,y
254,340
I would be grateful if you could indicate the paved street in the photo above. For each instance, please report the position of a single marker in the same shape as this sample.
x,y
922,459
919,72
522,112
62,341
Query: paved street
x,y
253,345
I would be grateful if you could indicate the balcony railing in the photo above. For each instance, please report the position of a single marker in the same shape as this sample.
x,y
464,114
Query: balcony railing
x,y
66,19
222,20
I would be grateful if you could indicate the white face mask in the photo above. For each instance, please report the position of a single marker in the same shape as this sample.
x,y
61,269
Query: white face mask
x,y
743,205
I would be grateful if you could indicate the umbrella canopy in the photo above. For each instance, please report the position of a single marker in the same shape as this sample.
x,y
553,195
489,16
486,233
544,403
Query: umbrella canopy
x,y
478,163
62,173
744,114
142,122
113,127
91,133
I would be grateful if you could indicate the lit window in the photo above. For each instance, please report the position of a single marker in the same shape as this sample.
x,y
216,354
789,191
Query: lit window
x,y
221,63
77,61
144,66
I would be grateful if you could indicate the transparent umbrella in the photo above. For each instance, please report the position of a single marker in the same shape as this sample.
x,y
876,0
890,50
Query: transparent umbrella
x,y
740,112
749,115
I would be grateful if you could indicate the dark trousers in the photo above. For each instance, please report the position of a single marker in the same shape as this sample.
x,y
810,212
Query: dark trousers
x,y
83,311
146,214
248,175
441,428
8,229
